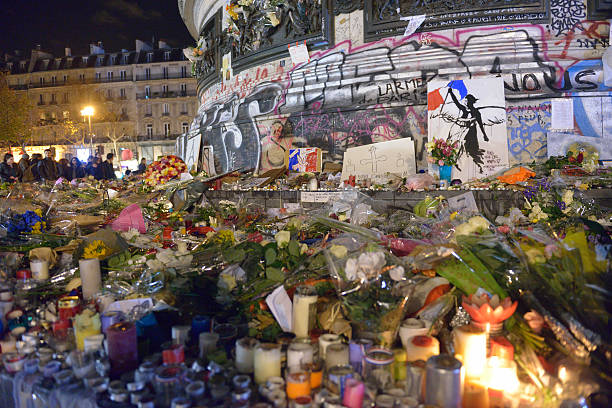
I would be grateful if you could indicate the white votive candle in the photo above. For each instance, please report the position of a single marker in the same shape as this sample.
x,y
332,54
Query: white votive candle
x,y
91,277
304,310
298,354
40,269
245,354
471,349
267,362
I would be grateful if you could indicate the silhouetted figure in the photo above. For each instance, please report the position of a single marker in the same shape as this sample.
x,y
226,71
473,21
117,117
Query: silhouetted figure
x,y
472,120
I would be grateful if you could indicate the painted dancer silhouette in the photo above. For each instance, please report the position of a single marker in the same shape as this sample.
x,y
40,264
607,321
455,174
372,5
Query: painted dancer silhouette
x,y
472,120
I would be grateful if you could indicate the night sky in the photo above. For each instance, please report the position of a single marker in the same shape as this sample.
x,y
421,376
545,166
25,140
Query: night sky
x,y
55,24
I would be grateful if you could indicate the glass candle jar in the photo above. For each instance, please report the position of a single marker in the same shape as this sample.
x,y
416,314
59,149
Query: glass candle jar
x,y
378,367
316,373
357,350
336,378
199,324
267,362
336,354
304,310
122,347
245,354
169,382
227,336
299,354
298,382
208,343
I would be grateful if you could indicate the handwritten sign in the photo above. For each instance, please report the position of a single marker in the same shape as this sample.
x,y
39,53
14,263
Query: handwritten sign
x,y
395,156
562,114
319,196
414,22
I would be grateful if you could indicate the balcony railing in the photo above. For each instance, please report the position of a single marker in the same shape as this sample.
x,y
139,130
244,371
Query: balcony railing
x,y
33,85
155,77
144,138
155,95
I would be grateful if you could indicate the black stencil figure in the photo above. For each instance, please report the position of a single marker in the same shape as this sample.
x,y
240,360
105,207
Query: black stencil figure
x,y
472,120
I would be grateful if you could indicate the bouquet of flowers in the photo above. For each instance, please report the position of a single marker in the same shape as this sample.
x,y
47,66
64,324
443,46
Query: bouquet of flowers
x,y
366,277
164,170
30,222
96,249
443,152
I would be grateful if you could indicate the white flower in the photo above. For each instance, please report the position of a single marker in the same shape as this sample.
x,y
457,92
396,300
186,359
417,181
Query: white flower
x,y
397,273
245,2
371,261
350,270
537,213
282,238
155,265
181,248
303,248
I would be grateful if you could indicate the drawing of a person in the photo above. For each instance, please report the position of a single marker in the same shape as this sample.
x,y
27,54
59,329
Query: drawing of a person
x,y
472,120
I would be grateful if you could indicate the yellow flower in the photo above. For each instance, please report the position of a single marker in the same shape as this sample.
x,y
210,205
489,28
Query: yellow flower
x,y
231,10
339,251
38,212
273,19
282,238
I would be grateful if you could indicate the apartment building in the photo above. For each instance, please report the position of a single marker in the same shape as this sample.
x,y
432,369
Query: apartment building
x,y
143,98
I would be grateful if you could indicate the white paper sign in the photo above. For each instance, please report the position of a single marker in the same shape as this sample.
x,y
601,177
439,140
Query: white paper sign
x,y
395,156
463,203
192,153
319,196
299,53
414,22
208,160
562,114
281,307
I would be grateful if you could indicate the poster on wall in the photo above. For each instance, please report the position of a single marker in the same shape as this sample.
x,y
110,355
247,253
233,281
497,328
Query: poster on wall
x,y
208,160
560,143
304,159
472,112
377,159
180,146
192,153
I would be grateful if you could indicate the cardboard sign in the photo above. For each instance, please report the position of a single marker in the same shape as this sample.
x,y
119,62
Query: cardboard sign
x,y
395,156
299,53
304,159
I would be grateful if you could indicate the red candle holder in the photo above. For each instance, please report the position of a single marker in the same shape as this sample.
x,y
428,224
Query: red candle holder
x,y
174,355
23,274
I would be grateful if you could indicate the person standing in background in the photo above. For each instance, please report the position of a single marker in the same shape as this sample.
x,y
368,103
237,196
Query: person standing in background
x,y
24,163
48,168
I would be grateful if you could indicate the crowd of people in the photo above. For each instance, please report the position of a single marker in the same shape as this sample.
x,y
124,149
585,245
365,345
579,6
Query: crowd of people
x,y
39,168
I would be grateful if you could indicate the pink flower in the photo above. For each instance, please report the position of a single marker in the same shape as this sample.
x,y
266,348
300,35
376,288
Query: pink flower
x,y
440,162
504,229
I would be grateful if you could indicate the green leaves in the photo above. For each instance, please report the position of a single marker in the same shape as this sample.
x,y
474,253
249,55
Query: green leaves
x,y
270,254
234,255
275,274
294,248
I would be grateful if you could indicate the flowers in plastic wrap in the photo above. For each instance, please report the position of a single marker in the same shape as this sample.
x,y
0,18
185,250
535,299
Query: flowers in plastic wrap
x,y
164,170
30,222
366,277
443,152
96,249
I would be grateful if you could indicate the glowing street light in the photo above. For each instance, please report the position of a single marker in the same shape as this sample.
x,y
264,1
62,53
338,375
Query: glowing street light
x,y
89,111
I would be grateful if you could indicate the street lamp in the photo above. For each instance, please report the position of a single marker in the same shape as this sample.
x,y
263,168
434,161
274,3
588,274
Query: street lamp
x,y
89,111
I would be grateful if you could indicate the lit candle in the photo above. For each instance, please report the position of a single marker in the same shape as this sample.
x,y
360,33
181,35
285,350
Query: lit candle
x,y
421,348
304,310
471,348
502,348
501,379
325,340
298,383
475,395
299,354
353,393
122,347
86,324
91,278
336,354
267,362
40,269
245,354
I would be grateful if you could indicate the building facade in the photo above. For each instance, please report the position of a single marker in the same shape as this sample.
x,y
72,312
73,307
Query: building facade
x,y
142,99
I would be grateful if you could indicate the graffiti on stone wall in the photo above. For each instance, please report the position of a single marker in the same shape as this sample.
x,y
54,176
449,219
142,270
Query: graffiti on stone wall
x,y
566,15
527,126
350,96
